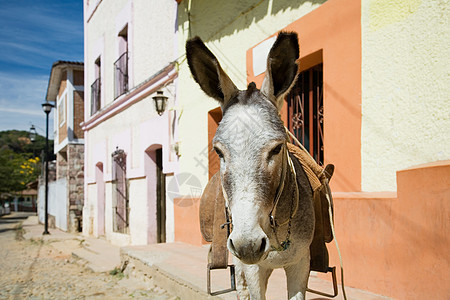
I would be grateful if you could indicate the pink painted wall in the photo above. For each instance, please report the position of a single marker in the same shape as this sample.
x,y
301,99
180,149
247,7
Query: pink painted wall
x,y
100,199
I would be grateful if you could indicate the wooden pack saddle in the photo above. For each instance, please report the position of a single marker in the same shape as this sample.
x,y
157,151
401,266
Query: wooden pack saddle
x,y
213,218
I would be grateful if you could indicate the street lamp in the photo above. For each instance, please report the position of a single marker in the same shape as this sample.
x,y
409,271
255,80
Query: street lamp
x,y
160,102
33,137
32,133
47,107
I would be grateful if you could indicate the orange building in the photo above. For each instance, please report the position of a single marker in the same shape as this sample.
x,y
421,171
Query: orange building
x,y
372,98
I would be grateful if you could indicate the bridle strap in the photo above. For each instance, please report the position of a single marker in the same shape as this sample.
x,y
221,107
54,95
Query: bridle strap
x,y
280,189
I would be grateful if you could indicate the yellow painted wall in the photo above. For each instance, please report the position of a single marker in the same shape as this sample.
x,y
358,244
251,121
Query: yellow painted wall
x,y
229,28
405,87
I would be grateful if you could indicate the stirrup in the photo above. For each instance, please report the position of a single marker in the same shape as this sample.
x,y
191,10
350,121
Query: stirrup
x,y
335,286
232,281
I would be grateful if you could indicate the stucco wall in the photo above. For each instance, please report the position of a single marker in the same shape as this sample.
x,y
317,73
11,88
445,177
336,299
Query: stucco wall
x,y
57,203
229,28
132,123
154,30
405,88
150,35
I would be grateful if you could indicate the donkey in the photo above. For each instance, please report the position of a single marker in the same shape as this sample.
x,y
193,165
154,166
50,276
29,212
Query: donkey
x,y
267,193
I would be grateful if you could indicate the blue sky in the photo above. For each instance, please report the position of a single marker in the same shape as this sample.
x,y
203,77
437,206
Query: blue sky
x,y
33,35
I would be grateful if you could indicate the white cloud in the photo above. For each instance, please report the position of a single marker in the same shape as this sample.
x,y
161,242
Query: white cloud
x,y
21,111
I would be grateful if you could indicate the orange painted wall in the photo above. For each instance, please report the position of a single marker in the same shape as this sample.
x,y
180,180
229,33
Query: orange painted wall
x,y
187,224
334,30
78,114
397,246
62,132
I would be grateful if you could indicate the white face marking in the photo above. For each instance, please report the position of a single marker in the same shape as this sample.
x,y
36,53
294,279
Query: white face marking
x,y
250,171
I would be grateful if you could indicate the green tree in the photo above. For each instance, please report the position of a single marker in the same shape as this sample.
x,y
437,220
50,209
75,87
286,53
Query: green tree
x,y
19,162
10,179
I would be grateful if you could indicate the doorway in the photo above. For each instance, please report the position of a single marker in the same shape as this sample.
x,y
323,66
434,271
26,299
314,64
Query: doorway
x,y
156,195
160,199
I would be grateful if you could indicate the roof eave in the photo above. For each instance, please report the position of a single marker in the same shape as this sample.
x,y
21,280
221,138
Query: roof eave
x,y
55,77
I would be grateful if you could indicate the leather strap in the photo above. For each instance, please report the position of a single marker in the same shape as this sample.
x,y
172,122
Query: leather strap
x,y
218,255
212,216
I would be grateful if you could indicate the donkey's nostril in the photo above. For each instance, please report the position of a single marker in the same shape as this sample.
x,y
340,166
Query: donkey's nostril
x,y
263,245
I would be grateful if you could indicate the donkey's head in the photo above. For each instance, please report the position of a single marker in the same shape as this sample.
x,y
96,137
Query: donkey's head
x,y
250,140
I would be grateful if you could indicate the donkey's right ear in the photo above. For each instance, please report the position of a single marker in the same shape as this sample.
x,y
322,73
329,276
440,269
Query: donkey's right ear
x,y
207,72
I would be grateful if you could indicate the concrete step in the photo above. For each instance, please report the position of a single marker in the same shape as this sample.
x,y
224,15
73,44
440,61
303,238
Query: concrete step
x,y
181,269
100,255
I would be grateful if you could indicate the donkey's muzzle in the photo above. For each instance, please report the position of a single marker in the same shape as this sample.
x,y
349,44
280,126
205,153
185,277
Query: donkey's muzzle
x,y
249,250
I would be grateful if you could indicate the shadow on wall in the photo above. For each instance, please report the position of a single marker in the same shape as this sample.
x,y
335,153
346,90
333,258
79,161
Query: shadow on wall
x,y
239,15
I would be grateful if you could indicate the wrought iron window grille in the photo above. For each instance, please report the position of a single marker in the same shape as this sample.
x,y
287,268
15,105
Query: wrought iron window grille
x,y
121,75
305,111
120,192
95,96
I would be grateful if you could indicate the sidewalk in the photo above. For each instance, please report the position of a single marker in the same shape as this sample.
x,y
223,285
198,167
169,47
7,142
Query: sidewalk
x,y
176,267
98,255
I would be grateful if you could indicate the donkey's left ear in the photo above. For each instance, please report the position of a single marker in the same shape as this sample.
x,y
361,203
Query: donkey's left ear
x,y
208,73
282,68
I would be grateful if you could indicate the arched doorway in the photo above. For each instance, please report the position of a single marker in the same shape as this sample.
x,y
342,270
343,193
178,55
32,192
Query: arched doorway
x,y
156,195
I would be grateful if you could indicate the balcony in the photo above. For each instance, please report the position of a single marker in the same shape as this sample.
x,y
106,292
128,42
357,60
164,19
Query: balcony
x,y
121,75
95,96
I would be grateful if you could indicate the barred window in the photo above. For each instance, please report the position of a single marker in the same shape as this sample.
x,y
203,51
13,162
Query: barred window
x,y
305,111
120,192
121,65
96,88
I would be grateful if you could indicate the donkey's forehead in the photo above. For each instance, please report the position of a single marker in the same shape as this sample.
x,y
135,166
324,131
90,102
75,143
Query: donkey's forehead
x,y
250,116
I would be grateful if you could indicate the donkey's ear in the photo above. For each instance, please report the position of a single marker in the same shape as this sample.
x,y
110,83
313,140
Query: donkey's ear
x,y
282,68
207,71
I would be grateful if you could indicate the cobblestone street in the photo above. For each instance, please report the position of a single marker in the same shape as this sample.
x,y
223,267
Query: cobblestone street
x,y
34,269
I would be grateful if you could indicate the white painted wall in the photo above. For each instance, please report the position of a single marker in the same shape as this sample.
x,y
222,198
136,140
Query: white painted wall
x,y
57,202
150,42
405,88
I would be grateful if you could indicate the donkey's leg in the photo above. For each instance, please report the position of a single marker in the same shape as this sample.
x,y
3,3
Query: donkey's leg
x,y
255,281
241,283
297,278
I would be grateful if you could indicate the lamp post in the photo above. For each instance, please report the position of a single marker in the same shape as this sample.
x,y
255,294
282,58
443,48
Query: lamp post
x,y
33,138
160,102
47,107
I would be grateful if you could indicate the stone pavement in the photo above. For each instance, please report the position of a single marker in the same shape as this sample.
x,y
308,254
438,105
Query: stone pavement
x,y
99,255
177,268
44,268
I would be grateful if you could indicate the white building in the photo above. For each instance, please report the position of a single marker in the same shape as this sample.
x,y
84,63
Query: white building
x,y
65,192
129,148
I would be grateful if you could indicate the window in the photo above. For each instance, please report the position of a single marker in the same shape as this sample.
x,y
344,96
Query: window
x,y
96,88
305,111
61,110
120,192
121,65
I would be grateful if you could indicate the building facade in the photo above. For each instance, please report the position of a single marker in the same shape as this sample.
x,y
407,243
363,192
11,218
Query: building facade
x,y
371,98
66,194
130,147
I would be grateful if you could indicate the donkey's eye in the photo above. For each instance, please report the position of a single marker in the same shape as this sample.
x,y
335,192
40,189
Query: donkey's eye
x,y
276,150
219,153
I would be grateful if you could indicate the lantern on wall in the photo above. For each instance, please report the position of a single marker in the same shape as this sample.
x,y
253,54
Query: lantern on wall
x,y
160,102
